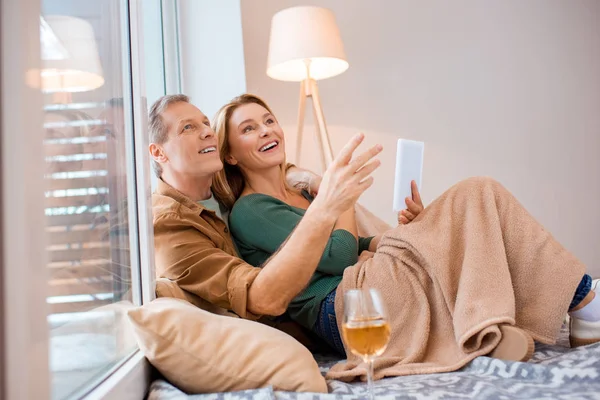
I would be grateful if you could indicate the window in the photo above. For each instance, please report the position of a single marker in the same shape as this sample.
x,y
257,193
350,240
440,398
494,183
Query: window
x,y
75,189
89,181
76,245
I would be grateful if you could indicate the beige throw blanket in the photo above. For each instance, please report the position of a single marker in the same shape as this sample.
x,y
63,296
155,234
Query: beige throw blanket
x,y
473,259
367,223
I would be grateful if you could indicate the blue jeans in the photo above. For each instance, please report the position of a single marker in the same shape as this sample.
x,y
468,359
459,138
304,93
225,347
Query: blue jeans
x,y
582,290
326,326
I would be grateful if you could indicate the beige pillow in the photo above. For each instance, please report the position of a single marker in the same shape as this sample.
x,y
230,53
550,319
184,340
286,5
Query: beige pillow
x,y
167,288
201,352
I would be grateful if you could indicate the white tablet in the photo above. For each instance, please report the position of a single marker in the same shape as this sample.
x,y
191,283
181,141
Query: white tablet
x,y
409,167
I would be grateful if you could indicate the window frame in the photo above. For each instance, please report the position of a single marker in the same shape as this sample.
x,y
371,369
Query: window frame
x,y
24,334
24,272
141,156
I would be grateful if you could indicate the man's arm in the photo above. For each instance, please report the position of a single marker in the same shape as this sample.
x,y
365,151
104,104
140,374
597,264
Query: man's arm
x,y
289,271
189,258
302,179
265,224
307,180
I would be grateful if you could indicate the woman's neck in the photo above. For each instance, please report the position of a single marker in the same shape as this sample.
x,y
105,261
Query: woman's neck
x,y
267,181
195,187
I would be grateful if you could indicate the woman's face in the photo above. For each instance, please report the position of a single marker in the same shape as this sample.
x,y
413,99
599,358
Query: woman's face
x,y
255,139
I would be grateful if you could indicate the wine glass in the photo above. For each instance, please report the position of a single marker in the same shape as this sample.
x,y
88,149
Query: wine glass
x,y
365,329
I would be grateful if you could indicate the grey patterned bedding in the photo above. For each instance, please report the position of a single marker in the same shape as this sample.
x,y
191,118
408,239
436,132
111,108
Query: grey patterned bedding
x,y
555,372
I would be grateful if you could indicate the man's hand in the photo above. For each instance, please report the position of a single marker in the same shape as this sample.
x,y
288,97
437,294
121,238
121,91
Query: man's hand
x,y
288,272
303,179
314,183
414,206
346,178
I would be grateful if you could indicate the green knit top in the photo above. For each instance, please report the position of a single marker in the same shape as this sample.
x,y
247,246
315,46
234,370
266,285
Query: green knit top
x,y
260,224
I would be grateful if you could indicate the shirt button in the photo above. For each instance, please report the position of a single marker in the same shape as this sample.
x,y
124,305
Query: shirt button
x,y
226,230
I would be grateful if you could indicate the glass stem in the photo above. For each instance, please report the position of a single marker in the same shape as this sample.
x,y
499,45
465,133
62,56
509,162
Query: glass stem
x,y
370,377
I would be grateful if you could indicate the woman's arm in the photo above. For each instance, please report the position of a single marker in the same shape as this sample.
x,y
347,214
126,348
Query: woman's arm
x,y
265,223
374,242
414,208
347,222
304,179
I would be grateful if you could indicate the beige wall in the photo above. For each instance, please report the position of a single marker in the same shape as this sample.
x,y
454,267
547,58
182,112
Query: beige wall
x,y
212,58
509,89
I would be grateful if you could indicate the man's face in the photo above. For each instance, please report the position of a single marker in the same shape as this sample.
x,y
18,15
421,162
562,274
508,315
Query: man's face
x,y
191,147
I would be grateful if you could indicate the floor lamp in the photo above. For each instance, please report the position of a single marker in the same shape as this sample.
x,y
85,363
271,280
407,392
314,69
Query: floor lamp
x,y
70,58
305,46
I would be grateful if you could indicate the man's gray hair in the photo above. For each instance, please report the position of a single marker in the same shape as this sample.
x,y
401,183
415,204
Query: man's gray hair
x,y
159,132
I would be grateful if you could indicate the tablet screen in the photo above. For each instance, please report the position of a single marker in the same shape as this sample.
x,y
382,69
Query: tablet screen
x,y
409,167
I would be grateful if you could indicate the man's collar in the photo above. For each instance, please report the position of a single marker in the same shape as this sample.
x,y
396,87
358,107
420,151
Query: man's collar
x,y
165,189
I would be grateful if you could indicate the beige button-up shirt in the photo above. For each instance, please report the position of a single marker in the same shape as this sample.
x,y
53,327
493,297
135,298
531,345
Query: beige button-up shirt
x,y
193,248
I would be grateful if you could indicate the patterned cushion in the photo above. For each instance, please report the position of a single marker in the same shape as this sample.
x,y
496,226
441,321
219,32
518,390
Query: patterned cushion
x,y
554,372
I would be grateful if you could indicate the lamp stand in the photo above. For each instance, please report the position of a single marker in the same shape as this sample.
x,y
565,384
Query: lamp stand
x,y
308,88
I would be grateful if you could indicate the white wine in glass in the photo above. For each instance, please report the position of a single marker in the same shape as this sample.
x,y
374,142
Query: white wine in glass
x,y
365,330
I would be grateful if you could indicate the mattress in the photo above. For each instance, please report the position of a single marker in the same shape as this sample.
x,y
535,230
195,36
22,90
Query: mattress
x,y
554,372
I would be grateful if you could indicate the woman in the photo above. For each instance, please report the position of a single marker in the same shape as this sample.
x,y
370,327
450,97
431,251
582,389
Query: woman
x,y
265,211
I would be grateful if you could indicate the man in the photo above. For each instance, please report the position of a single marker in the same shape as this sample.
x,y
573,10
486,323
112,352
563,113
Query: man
x,y
193,246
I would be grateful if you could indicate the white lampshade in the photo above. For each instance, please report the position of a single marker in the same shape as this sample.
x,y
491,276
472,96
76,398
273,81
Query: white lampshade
x,y
78,67
305,33
52,48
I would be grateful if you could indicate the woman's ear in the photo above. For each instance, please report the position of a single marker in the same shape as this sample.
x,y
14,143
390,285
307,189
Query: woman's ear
x,y
230,160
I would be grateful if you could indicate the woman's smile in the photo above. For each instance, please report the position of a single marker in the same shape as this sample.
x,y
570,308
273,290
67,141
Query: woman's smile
x,y
269,147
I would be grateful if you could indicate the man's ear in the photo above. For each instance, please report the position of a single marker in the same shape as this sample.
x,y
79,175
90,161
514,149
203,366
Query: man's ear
x,y
230,160
157,153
